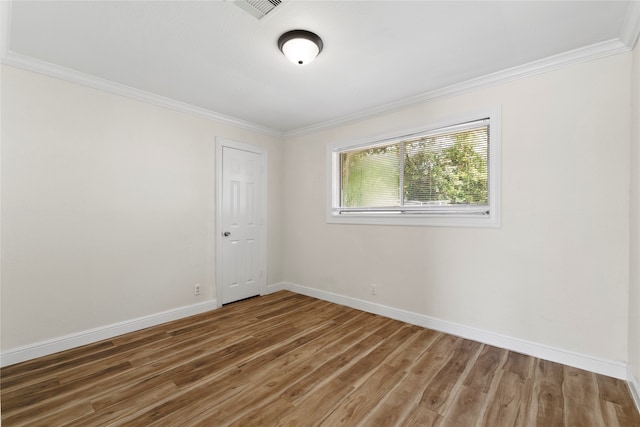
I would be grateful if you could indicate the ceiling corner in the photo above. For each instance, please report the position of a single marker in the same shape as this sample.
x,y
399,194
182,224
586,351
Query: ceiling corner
x,y
631,26
5,26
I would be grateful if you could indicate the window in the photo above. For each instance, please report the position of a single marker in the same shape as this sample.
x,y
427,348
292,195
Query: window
x,y
444,175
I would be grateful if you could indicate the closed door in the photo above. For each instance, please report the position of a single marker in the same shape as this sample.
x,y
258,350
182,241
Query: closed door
x,y
241,224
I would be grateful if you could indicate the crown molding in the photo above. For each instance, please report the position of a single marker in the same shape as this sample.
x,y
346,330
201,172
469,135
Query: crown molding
x,y
56,71
595,51
629,34
584,54
24,62
631,26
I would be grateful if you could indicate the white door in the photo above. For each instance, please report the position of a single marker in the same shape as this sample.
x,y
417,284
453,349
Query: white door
x,y
241,224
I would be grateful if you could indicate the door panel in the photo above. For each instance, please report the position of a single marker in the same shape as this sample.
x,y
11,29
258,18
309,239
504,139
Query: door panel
x,y
241,184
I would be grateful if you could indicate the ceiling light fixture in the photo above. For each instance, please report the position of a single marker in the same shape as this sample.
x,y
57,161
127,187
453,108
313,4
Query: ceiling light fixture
x,y
300,46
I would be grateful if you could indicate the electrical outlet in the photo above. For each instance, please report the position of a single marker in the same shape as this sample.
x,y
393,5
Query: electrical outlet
x,y
196,289
374,289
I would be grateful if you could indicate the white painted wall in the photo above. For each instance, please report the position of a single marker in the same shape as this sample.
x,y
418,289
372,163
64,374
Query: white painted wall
x,y
555,273
634,253
108,208
108,213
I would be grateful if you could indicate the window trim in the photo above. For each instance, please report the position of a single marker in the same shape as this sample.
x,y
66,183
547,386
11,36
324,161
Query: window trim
x,y
395,217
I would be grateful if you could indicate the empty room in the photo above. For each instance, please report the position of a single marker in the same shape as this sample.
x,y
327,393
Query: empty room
x,y
300,213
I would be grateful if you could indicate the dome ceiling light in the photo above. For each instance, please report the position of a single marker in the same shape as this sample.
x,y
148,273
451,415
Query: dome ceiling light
x,y
300,46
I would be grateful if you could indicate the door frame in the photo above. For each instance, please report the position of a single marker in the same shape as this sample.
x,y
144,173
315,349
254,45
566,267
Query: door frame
x,y
263,152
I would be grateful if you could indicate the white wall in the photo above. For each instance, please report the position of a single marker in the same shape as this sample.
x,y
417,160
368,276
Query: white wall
x,y
108,208
108,213
634,255
555,273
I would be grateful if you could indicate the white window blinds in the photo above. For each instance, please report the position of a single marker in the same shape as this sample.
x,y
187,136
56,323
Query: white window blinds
x,y
440,171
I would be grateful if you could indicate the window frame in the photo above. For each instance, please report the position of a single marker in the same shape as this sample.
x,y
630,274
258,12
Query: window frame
x,y
442,219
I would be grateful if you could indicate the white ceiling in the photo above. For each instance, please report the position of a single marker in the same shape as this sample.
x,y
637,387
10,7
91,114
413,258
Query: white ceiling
x,y
215,57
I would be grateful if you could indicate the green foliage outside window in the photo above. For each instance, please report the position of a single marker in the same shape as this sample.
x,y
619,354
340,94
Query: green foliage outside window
x,y
371,177
440,170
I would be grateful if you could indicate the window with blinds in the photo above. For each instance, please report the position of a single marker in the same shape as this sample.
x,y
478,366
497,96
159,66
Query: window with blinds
x,y
442,172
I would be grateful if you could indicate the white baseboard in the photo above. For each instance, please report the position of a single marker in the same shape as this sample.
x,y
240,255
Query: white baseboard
x,y
614,369
606,367
67,342
634,385
275,287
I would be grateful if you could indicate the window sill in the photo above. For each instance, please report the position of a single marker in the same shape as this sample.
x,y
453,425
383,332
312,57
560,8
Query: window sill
x,y
427,220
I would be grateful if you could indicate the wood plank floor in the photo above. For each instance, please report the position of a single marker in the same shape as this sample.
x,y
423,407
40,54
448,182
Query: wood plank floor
x,y
287,359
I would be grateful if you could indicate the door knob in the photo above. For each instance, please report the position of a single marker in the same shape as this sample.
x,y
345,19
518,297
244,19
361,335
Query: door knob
x,y
226,234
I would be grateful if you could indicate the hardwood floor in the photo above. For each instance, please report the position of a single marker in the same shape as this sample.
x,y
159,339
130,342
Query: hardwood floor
x,y
287,359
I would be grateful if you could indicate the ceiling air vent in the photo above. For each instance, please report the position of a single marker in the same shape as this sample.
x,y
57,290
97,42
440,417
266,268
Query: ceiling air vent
x,y
258,8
